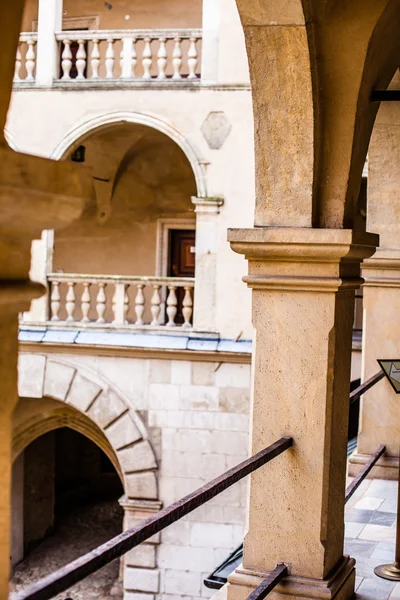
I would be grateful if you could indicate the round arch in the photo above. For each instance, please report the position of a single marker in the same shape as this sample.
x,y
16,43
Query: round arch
x,y
87,127
89,404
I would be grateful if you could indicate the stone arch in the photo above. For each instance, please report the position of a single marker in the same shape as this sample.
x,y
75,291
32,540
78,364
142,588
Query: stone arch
x,y
40,376
10,139
87,127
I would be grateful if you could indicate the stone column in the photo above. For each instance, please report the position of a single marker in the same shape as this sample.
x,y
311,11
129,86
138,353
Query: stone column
x,y
207,210
139,565
380,407
303,283
49,21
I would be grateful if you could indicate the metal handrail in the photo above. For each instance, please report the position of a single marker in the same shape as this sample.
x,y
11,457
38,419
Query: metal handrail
x,y
364,387
358,479
269,582
64,578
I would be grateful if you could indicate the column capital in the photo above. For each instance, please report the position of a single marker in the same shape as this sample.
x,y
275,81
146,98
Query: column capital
x,y
303,259
207,206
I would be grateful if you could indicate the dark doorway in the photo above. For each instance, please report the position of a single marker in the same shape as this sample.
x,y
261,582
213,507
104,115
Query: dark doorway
x,y
181,261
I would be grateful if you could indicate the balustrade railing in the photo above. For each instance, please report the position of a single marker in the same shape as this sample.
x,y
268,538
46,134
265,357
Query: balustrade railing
x,y
25,60
111,300
129,54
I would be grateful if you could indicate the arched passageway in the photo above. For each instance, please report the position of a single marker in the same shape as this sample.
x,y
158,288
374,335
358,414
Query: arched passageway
x,y
65,503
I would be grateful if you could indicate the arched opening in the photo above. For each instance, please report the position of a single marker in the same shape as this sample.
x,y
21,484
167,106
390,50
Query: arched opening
x,y
64,503
143,222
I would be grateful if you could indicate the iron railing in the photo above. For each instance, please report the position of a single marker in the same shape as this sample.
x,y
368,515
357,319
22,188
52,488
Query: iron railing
x,y
79,569
64,578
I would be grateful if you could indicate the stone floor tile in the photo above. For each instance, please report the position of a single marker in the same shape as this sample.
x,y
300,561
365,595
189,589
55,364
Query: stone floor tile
x,y
383,555
377,533
373,589
359,548
359,516
352,530
395,595
389,506
369,503
385,519
386,546
359,580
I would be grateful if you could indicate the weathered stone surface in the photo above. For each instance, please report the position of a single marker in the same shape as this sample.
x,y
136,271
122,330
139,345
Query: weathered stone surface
x,y
141,580
138,457
142,556
123,432
58,380
141,485
216,129
106,408
82,392
31,369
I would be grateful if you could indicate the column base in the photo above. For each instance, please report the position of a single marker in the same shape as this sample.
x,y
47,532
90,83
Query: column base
x,y
340,586
387,467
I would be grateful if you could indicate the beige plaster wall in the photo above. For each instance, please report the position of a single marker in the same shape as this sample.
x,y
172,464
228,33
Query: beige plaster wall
x,y
152,179
40,120
157,14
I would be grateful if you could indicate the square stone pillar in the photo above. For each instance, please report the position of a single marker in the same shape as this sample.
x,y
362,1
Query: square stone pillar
x,y
303,283
49,21
207,211
380,407
139,566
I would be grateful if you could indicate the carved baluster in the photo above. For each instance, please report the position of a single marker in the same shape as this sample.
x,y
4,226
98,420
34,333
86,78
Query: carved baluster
x,y
162,59
139,304
101,303
155,305
30,60
128,58
192,59
70,301
147,59
18,63
81,60
55,300
110,54
126,303
85,303
66,63
187,307
177,59
95,59
134,58
120,304
172,306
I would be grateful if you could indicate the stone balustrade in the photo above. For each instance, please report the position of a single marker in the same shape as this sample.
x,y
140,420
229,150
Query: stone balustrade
x,y
109,300
25,60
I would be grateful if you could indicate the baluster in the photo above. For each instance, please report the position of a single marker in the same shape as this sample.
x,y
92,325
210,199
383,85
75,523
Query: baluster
x,y
110,59
120,304
128,58
85,303
101,303
162,59
70,301
177,59
81,60
126,303
139,304
18,63
187,307
192,59
95,59
55,300
30,61
172,306
147,59
155,305
66,63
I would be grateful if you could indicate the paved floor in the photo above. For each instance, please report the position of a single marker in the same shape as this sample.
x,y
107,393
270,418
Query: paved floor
x,y
370,531
80,531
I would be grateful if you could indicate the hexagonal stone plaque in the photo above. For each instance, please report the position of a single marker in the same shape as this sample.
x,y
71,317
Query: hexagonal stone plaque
x,y
216,129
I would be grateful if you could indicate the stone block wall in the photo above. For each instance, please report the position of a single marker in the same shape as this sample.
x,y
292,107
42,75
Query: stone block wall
x,y
197,417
